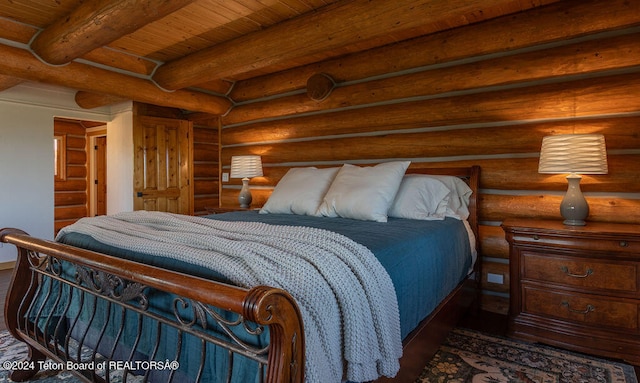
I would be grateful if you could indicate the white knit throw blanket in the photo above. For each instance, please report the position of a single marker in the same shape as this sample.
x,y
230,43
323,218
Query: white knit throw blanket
x,y
330,276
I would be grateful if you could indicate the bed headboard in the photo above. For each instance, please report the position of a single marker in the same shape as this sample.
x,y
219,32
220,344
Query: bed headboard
x,y
471,175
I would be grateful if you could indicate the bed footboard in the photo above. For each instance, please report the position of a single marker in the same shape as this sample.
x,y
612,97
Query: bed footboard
x,y
94,319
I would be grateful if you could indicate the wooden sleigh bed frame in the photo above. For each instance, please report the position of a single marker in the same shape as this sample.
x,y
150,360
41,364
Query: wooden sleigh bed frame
x,y
124,285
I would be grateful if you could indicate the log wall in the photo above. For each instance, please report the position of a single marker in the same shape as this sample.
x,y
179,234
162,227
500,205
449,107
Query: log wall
x,y
206,167
481,94
71,193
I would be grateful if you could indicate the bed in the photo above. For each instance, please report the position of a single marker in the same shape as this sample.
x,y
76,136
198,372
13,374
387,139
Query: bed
x,y
117,309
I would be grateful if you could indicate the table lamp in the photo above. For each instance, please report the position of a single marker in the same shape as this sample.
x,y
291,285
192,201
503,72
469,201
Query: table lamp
x,y
574,154
245,167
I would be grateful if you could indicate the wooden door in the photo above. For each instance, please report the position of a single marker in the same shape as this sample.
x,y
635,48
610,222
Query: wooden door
x,y
162,165
101,174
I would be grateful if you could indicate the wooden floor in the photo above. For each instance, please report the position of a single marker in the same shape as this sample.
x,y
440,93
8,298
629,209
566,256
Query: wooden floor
x,y
487,322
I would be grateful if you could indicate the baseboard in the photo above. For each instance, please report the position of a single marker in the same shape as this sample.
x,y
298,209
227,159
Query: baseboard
x,y
7,265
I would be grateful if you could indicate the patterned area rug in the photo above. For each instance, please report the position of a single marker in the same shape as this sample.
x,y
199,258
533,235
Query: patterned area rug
x,y
469,356
465,357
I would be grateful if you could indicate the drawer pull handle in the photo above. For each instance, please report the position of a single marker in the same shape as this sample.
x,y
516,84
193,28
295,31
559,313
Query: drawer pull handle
x,y
536,237
565,270
589,309
624,244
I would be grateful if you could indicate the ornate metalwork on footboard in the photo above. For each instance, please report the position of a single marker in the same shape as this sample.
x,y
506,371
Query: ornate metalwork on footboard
x,y
108,319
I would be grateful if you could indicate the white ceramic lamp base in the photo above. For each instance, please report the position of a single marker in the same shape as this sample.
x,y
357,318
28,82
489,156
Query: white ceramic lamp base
x,y
574,207
245,197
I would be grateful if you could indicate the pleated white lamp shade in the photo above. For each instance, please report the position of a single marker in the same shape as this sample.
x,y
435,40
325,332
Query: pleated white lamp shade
x,y
246,166
573,153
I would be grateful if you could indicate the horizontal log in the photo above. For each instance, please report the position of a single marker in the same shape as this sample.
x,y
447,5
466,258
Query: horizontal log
x,y
200,203
498,35
59,224
205,170
116,59
70,198
20,63
496,269
572,99
76,171
205,152
76,157
90,100
496,207
522,174
377,23
205,135
492,242
219,86
74,184
205,186
76,143
494,303
582,58
16,31
83,30
71,127
69,212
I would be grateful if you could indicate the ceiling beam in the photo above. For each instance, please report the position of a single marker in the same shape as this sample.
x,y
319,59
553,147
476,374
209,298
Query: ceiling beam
x,y
20,63
97,23
361,22
90,100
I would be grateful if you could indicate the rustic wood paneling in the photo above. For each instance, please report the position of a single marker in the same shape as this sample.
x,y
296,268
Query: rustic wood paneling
x,y
482,94
71,194
533,28
206,166
575,59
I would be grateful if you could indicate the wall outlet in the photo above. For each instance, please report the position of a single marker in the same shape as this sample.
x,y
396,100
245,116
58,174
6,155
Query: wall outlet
x,y
225,177
495,278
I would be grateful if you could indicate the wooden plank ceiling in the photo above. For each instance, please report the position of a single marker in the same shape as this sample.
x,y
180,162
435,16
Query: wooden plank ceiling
x,y
188,53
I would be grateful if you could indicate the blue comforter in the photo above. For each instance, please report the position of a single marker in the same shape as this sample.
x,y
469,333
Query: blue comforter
x,y
426,260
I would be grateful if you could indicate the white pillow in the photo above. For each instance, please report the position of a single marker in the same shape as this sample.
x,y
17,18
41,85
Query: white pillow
x,y
364,193
458,206
420,197
300,191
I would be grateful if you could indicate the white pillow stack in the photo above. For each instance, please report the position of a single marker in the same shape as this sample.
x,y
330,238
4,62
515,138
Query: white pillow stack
x,y
431,197
300,191
364,193
370,193
420,197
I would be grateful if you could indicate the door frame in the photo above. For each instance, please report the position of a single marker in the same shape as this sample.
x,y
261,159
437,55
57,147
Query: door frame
x,y
92,134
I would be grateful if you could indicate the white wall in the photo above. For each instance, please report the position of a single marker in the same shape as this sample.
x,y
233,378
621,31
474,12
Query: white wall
x,y
26,156
120,159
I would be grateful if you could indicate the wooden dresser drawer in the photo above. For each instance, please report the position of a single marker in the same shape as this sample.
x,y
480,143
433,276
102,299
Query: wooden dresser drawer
x,y
622,245
587,273
583,309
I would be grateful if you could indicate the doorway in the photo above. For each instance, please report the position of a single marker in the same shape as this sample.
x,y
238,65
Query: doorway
x,y
75,170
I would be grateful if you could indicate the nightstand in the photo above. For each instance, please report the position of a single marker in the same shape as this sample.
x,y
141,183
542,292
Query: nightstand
x,y
576,287
224,209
